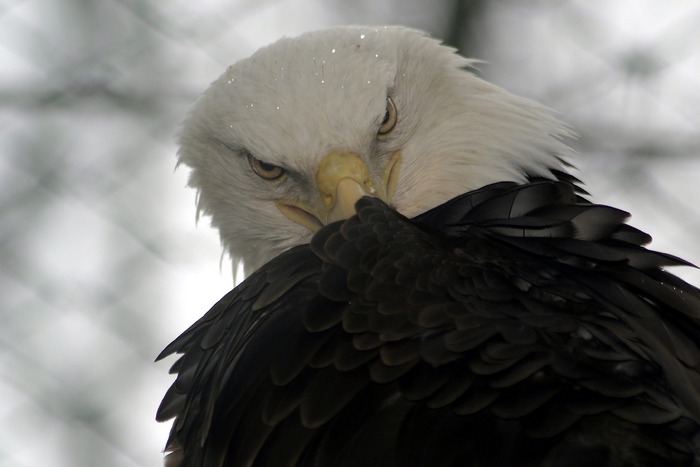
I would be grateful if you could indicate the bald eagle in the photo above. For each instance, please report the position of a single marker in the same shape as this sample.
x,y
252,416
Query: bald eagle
x,y
428,284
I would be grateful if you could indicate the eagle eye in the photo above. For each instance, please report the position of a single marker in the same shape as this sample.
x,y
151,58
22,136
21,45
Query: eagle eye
x,y
265,170
389,121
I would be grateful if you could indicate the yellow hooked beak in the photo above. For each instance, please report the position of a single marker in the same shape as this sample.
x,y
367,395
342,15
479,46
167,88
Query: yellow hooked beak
x,y
342,179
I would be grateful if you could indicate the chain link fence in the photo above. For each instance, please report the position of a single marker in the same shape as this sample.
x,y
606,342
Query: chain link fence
x,y
101,262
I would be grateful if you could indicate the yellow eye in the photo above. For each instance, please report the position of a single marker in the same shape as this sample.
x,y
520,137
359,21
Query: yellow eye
x,y
265,170
389,121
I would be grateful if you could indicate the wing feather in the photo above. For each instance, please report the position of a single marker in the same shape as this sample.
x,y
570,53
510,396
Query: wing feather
x,y
516,324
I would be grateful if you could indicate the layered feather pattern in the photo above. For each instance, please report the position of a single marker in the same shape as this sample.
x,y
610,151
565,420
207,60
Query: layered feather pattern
x,y
515,325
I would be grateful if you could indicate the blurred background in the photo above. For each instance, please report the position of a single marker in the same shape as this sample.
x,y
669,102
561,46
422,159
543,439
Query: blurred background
x,y
101,264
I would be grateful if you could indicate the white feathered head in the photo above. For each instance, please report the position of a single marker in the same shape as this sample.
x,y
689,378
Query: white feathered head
x,y
287,140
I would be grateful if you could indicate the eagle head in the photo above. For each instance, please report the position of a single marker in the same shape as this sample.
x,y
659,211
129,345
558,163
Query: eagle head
x,y
287,140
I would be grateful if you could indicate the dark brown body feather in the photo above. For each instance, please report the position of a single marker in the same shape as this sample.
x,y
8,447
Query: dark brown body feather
x,y
517,325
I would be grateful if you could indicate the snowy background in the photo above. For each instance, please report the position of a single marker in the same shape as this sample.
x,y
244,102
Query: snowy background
x,y
101,264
